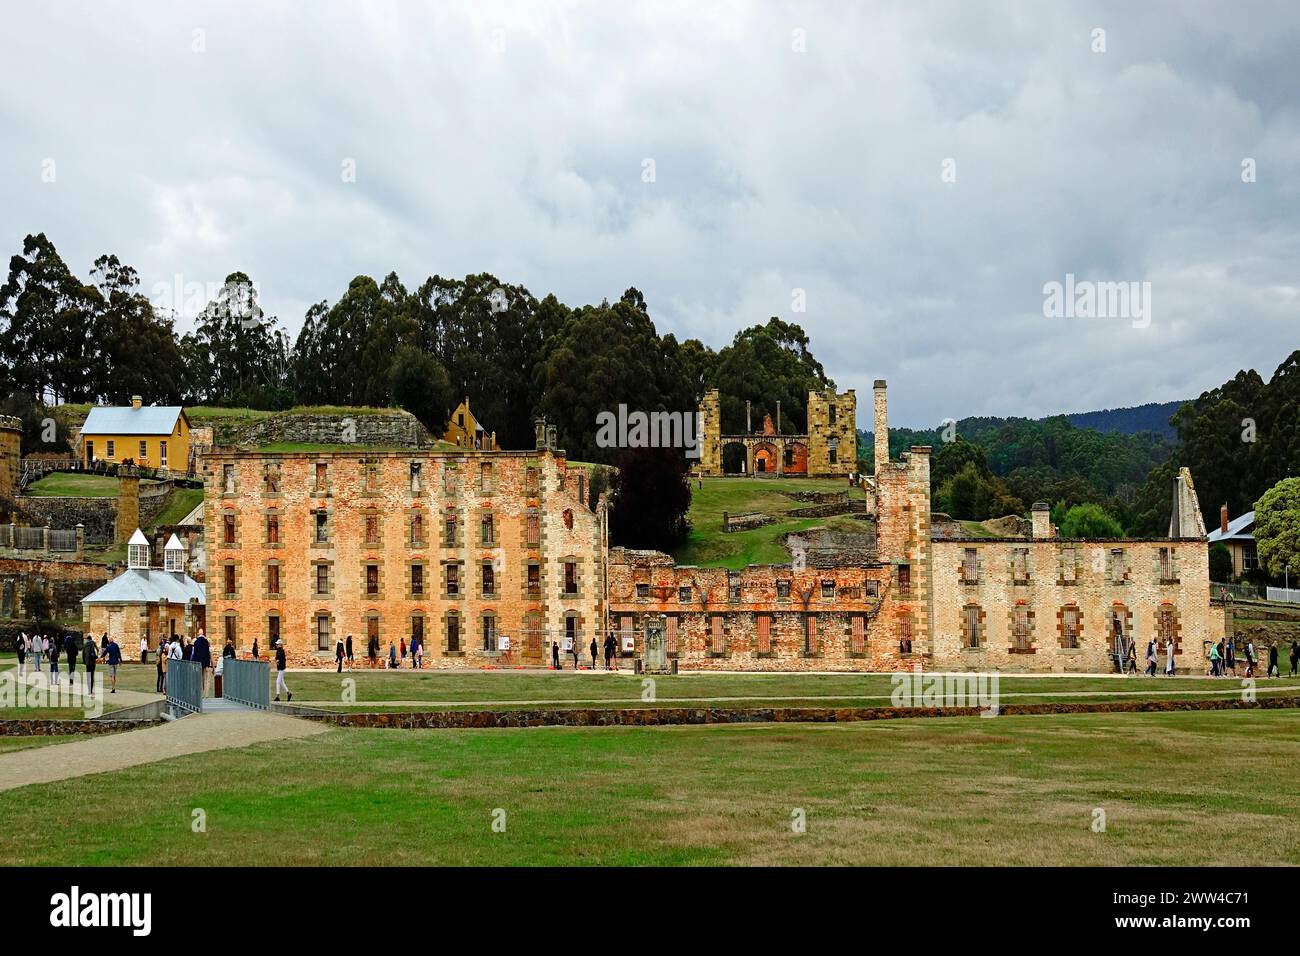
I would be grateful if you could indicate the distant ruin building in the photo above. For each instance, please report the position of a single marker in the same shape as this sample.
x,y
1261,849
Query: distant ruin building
x,y
828,450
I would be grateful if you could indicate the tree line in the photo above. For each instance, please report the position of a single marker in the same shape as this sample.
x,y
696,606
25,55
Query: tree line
x,y
517,357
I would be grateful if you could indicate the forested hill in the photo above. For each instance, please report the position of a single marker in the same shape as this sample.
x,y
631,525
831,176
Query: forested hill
x,y
1152,417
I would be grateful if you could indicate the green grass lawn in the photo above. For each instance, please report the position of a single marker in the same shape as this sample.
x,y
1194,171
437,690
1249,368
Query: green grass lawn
x,y
77,485
11,744
708,546
1187,789
179,503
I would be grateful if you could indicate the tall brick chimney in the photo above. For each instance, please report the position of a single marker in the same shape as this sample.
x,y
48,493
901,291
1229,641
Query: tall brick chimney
x,y
882,426
1041,519
128,502
1223,518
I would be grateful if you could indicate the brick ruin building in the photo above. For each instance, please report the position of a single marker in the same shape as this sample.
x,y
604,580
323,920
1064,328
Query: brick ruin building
x,y
477,550
828,450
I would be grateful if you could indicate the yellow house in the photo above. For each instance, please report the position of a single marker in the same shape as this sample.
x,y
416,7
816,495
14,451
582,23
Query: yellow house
x,y
154,436
464,430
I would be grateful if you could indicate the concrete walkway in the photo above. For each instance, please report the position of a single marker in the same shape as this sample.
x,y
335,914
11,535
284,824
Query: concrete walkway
x,y
102,754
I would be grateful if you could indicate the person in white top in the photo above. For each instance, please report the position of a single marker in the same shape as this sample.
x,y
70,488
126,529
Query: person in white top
x,y
1169,666
144,647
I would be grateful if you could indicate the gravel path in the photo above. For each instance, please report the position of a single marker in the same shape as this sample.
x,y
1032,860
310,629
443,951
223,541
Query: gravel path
x,y
190,735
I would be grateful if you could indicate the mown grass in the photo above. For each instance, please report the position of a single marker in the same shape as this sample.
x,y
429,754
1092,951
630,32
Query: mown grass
x,y
708,546
77,485
1176,789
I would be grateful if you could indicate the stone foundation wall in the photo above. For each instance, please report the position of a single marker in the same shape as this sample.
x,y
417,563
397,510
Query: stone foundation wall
x,y
67,582
390,429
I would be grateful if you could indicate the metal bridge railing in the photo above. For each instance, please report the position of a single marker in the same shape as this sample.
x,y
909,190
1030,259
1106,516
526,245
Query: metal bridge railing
x,y
185,685
246,682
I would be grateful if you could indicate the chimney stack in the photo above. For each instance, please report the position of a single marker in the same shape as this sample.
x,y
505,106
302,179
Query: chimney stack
x,y
1223,518
136,401
1041,519
882,426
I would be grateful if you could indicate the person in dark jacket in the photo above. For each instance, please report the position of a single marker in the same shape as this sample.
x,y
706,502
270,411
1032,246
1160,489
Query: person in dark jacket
x,y
89,655
595,650
1295,656
610,647
201,654
347,649
1273,669
555,655
229,650
70,648
280,666
158,664
338,655
254,648
112,653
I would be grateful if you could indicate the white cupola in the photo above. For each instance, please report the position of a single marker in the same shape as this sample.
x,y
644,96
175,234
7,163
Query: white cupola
x,y
137,551
174,554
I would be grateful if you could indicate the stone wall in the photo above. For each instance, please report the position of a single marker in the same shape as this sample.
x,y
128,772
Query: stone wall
x,y
832,424
67,582
11,436
390,429
1058,574
375,516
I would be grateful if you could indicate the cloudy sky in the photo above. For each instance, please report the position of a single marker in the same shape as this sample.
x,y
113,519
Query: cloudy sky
x,y
902,179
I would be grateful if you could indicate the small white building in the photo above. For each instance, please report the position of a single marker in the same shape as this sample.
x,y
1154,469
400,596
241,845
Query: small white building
x,y
144,600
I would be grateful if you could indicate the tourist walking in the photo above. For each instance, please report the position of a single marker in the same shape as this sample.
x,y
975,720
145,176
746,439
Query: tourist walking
x,y
89,655
201,654
20,648
1132,657
417,652
1169,664
1214,660
1230,656
348,651
229,650
338,655
1273,669
1295,656
144,649
392,657
255,649
280,665
1250,658
555,656
609,652
402,640
112,657
372,651
160,667
1151,659
594,650
53,654
571,646
37,649
70,648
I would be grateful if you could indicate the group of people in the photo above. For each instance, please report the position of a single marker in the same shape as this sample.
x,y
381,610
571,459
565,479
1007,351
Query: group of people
x,y
35,647
1223,658
571,650
397,656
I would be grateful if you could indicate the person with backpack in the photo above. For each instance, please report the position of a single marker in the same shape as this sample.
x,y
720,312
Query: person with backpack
x,y
112,657
280,665
89,655
610,647
594,651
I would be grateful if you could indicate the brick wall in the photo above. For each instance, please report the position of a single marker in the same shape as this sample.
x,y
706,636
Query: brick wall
x,y
1058,574
67,582
452,487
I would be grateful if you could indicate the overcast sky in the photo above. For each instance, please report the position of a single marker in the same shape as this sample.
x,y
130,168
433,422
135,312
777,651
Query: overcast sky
x,y
789,146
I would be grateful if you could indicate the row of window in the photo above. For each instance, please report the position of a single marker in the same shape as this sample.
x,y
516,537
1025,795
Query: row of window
x,y
454,632
1113,562
372,529
735,590
110,450
370,474
1069,626
723,628
452,582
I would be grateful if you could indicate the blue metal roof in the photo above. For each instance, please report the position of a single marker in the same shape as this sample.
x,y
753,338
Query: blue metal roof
x,y
145,420
1239,529
138,586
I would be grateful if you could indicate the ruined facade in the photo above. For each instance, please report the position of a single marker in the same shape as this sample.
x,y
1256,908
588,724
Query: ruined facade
x,y
487,558
472,551
828,450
